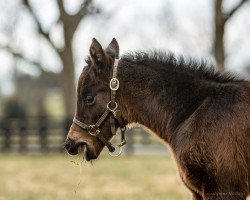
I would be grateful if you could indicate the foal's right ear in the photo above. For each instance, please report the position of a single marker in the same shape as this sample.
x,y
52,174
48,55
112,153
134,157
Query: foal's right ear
x,y
96,53
113,49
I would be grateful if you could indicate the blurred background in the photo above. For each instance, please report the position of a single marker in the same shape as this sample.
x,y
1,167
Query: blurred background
x,y
43,45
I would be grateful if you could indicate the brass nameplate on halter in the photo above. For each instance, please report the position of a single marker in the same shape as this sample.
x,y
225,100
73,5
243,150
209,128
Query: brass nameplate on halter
x,y
114,84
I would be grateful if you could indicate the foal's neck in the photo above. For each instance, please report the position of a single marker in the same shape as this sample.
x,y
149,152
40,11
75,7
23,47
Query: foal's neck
x,y
157,98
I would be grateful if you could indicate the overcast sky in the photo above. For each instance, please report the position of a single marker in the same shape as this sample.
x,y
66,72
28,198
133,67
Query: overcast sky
x,y
181,26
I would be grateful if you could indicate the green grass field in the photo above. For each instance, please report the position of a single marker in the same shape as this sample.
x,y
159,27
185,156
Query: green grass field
x,y
56,177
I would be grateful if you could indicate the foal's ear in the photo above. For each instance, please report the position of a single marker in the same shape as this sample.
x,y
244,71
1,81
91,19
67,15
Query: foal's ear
x,y
96,53
113,49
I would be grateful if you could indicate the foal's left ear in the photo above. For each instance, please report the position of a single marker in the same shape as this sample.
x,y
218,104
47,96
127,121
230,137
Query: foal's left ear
x,y
113,49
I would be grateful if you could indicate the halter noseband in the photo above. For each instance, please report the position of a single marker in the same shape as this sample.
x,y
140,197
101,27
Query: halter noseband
x,y
112,107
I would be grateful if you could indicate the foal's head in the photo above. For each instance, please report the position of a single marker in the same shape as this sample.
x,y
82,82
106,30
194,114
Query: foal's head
x,y
93,94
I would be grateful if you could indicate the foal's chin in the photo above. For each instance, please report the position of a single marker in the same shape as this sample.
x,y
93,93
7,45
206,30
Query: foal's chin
x,y
89,153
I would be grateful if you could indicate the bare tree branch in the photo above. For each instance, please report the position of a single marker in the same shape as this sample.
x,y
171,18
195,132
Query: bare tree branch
x,y
87,8
82,12
231,13
63,14
40,30
22,57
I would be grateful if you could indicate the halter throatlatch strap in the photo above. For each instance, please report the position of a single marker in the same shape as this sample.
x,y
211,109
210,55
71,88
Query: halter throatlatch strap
x,y
112,107
114,86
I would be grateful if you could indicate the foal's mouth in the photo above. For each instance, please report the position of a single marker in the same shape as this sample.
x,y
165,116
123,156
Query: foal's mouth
x,y
81,147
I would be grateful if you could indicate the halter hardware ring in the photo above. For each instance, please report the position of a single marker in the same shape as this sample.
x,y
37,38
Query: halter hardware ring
x,y
114,84
117,154
112,109
93,130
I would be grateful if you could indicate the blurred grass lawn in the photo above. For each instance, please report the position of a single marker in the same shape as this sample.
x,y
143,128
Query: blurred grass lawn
x,y
55,177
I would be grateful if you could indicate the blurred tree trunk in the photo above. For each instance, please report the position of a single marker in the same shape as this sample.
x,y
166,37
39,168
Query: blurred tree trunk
x,y
70,24
219,35
220,19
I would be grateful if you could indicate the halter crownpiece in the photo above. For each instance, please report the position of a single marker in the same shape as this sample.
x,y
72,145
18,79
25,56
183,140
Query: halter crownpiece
x,y
112,107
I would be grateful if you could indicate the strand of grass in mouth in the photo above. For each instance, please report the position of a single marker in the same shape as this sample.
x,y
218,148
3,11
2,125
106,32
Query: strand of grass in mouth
x,y
78,162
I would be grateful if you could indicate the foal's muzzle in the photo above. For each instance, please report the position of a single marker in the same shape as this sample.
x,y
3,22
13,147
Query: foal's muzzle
x,y
73,148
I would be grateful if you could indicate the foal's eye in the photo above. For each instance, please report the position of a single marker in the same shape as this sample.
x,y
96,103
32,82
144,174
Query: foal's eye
x,y
90,100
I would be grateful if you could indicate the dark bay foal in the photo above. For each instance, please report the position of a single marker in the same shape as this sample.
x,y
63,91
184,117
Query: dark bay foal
x,y
203,116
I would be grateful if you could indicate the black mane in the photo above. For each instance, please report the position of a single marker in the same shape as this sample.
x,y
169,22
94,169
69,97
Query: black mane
x,y
168,61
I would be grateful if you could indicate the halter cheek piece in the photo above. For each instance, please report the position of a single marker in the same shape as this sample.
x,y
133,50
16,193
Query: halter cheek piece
x,y
112,107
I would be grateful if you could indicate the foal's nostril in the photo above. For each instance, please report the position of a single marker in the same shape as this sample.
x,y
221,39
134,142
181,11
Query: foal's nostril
x,y
69,144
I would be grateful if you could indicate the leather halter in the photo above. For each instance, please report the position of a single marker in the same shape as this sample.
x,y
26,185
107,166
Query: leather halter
x,y
112,107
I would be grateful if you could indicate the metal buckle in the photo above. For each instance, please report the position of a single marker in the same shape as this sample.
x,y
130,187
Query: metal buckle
x,y
114,84
112,109
94,131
